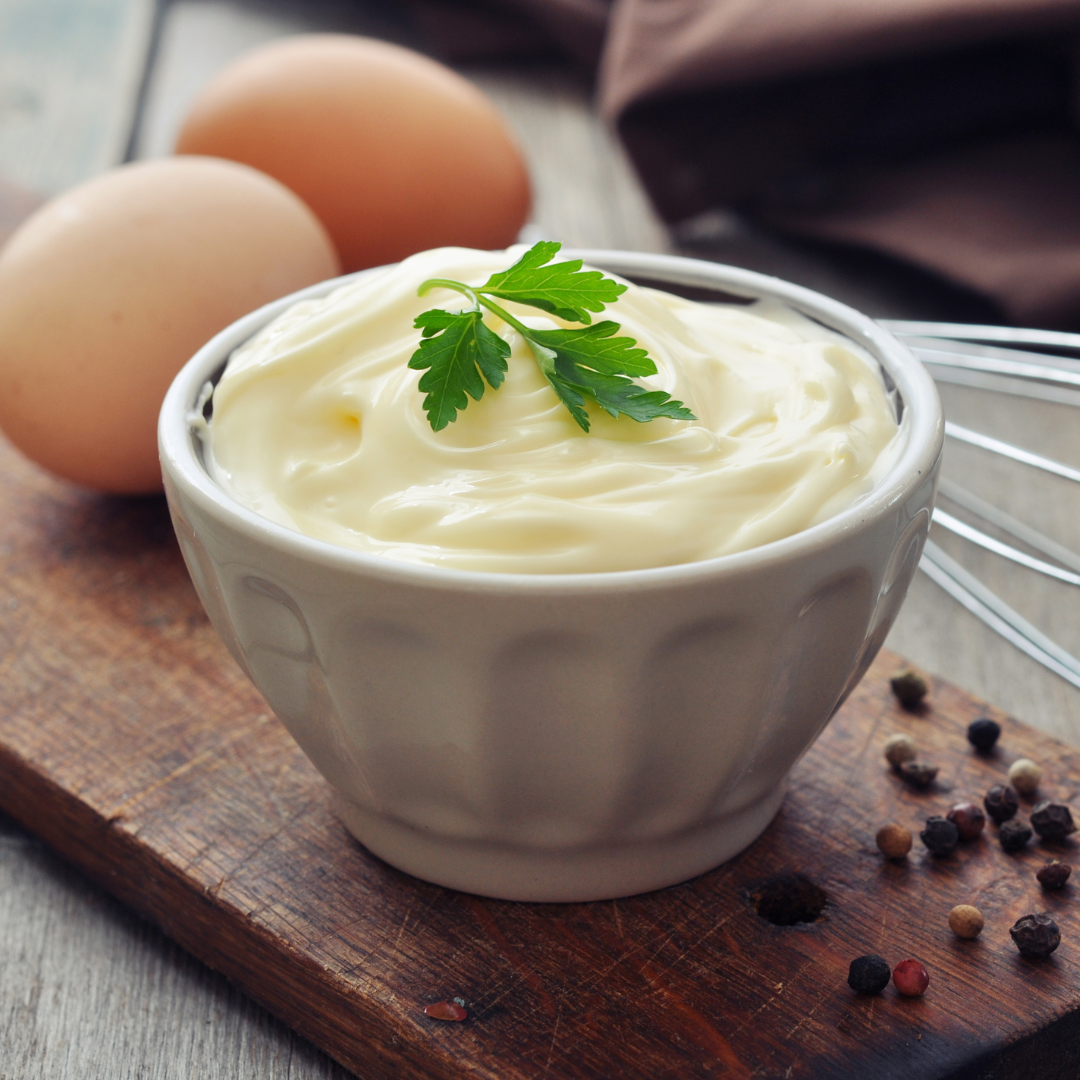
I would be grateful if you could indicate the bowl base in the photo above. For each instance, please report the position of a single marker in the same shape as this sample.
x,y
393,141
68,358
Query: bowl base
x,y
602,872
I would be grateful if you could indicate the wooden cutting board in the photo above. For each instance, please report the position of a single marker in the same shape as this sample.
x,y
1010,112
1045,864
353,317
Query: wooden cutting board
x,y
131,743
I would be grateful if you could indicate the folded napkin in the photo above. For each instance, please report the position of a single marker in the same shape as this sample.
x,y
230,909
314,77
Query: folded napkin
x,y
942,132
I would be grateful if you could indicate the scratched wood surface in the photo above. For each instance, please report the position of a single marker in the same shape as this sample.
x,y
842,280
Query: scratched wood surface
x,y
131,743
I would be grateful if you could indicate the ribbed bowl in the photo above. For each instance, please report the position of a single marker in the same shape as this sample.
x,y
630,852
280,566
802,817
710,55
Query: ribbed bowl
x,y
569,737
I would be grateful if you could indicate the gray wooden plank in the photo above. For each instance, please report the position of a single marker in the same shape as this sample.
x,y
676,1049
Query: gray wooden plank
x,y
936,633
69,79
88,990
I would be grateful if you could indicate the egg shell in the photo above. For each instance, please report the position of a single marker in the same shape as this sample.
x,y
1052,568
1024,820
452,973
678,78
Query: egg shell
x,y
395,152
110,288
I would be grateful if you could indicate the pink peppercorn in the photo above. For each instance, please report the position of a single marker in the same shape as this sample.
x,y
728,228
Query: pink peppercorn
x,y
446,1010
968,818
911,978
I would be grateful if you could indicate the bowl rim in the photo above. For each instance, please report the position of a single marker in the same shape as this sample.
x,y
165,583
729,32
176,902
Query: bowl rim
x,y
924,440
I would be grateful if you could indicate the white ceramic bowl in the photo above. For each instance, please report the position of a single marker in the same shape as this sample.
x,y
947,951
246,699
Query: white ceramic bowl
x,y
570,737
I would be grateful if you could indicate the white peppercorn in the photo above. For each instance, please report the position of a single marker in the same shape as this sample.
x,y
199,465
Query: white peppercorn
x,y
899,748
1024,775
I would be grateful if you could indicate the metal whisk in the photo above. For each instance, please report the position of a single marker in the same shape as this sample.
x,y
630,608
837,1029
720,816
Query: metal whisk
x,y
1013,362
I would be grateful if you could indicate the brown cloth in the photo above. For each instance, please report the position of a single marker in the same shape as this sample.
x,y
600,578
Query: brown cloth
x,y
943,132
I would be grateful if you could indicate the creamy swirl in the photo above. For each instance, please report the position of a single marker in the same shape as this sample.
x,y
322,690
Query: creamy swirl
x,y
317,425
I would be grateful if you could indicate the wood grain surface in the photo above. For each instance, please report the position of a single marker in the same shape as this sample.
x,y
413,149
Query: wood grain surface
x,y
132,744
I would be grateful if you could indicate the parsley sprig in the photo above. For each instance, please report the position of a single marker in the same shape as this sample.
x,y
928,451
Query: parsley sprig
x,y
458,351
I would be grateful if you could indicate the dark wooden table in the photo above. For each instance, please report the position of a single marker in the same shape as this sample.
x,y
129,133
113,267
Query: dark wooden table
x,y
86,988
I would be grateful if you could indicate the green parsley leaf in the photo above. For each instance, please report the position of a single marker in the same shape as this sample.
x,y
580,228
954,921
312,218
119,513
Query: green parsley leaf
x,y
586,364
456,349
592,364
595,347
563,289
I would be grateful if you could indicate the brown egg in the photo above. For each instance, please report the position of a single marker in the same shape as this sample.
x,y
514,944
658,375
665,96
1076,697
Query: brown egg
x,y
394,152
107,290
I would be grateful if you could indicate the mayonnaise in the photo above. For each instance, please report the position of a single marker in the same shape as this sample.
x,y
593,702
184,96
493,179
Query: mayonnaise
x,y
317,425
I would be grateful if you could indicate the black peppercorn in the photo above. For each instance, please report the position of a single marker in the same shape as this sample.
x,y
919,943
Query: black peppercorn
x,y
1053,874
868,974
1036,935
917,774
983,734
1014,835
1052,821
940,835
1001,803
